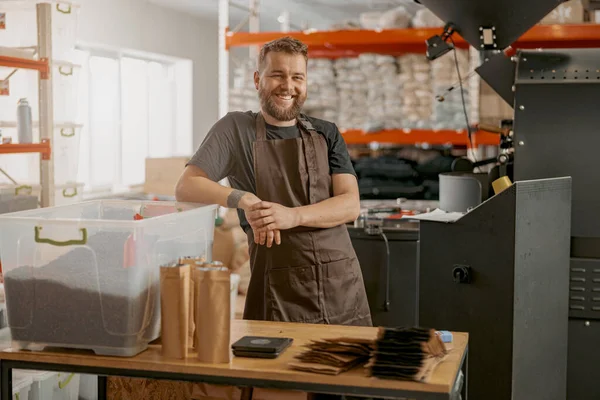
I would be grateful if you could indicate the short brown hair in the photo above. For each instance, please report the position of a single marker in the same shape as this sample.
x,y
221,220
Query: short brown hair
x,y
286,44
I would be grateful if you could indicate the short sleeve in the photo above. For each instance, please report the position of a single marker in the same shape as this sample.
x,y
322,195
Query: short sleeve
x,y
215,154
339,158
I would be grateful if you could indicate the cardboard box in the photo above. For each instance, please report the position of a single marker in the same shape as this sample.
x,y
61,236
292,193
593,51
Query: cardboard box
x,y
162,175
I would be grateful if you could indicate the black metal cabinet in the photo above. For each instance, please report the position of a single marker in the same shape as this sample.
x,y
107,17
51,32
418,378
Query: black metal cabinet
x,y
403,274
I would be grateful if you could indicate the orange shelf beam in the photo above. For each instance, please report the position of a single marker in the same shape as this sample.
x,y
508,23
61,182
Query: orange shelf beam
x,y
24,63
413,136
43,148
348,43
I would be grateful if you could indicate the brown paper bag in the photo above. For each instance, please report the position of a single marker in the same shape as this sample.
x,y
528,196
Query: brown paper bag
x,y
192,262
213,313
174,302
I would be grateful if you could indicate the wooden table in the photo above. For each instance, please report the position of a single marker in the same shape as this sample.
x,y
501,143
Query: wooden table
x,y
266,373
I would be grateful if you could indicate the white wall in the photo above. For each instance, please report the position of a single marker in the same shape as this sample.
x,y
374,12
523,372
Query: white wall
x,y
139,25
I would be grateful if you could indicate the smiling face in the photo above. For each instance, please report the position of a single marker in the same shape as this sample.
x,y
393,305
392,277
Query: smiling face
x,y
281,85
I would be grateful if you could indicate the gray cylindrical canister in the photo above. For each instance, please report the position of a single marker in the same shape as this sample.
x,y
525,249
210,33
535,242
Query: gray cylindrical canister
x,y
24,123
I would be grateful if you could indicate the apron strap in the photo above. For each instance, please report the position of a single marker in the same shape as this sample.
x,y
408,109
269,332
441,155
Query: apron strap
x,y
261,129
310,138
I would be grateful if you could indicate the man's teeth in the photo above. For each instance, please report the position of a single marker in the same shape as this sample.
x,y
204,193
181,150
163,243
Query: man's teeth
x,y
288,97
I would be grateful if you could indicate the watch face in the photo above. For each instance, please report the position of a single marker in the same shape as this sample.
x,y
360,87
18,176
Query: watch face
x,y
260,341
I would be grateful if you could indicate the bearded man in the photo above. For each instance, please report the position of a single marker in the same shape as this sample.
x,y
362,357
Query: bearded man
x,y
294,187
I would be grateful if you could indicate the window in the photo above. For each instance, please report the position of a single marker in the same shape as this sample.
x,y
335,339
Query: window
x,y
129,109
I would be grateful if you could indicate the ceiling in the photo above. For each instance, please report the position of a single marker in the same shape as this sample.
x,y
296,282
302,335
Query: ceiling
x,y
319,14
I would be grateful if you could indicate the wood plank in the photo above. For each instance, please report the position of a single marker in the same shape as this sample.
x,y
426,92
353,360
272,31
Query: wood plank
x,y
151,360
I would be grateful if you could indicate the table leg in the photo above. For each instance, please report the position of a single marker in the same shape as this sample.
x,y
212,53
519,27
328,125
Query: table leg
x,y
6,380
465,369
102,387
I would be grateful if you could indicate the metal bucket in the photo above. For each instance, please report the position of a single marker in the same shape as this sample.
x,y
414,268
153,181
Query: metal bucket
x,y
460,191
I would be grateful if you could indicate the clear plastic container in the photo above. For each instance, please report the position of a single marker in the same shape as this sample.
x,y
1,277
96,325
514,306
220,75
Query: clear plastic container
x,y
65,82
71,193
12,203
20,26
25,189
21,385
87,275
65,149
54,386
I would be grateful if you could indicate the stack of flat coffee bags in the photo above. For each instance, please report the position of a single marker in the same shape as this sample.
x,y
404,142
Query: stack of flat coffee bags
x,y
333,356
406,354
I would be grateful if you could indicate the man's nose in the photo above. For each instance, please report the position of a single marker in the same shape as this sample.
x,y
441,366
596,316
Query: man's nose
x,y
287,83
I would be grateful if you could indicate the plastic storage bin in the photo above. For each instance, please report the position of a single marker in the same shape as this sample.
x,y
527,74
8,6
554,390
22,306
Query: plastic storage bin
x,y
12,203
87,275
68,194
54,386
66,153
21,385
25,189
65,89
20,26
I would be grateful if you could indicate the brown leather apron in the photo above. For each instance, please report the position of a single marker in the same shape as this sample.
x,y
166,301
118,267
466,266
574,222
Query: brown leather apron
x,y
313,276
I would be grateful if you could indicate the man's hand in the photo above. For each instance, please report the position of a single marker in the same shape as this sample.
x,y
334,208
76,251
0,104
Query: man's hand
x,y
247,202
265,216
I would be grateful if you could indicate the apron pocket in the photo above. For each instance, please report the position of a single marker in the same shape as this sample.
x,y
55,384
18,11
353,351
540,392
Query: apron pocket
x,y
292,295
344,292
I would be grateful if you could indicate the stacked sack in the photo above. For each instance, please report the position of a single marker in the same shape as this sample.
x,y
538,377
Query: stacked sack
x,y
417,97
352,88
449,114
384,98
243,95
322,100
424,18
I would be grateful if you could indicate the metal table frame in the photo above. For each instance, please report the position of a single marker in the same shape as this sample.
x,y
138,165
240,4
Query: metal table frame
x,y
7,366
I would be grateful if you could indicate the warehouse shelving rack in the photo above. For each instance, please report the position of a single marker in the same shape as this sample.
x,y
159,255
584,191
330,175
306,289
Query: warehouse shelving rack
x,y
43,65
351,43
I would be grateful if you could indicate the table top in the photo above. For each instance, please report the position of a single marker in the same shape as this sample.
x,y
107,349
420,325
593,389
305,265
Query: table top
x,y
442,380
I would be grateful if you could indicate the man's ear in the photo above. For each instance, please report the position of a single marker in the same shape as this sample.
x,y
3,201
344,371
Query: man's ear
x,y
256,79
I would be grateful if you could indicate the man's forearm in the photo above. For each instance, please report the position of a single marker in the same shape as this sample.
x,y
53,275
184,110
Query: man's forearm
x,y
331,212
198,189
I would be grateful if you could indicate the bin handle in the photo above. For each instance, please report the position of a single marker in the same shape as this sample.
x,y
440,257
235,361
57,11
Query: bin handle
x,y
67,71
66,192
73,242
66,11
28,189
63,384
63,132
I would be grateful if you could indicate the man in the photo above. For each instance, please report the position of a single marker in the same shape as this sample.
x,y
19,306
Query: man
x,y
295,189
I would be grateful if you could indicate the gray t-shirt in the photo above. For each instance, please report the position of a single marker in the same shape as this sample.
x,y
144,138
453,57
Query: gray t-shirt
x,y
226,152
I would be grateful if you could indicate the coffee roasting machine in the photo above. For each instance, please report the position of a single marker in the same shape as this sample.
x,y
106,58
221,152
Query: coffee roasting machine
x,y
521,272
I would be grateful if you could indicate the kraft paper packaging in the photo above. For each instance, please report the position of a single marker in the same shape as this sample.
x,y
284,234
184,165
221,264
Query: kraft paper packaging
x,y
192,262
213,313
174,302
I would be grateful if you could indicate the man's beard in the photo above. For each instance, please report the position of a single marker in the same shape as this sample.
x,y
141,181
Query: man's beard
x,y
269,106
